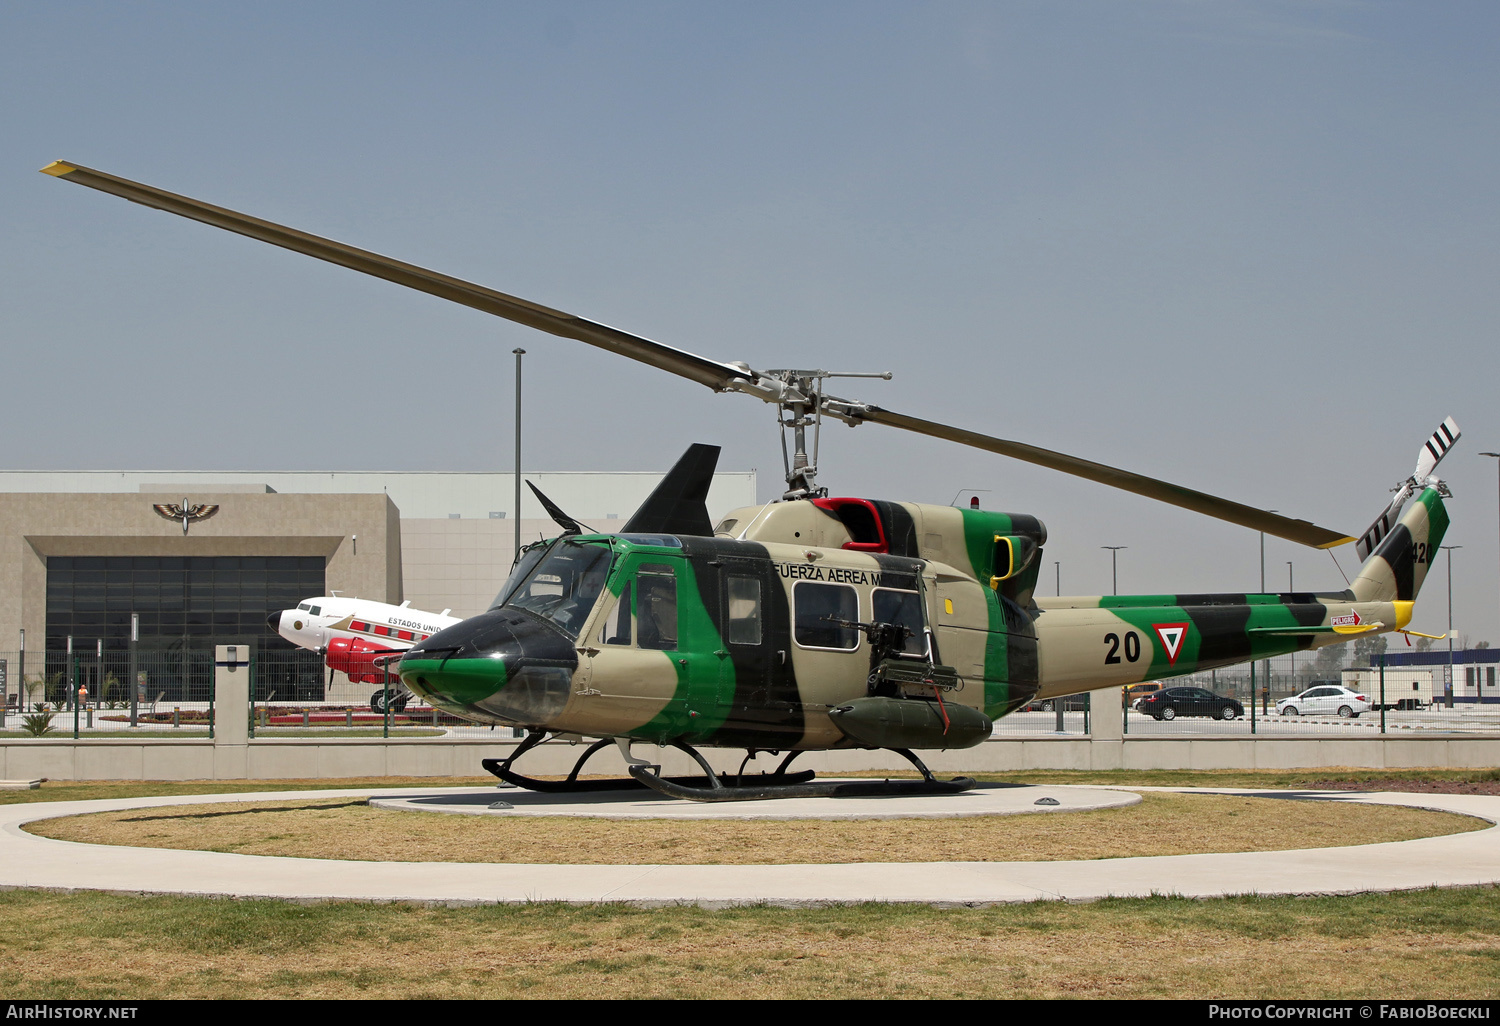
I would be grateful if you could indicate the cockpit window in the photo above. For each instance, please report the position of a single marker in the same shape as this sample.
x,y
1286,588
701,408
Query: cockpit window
x,y
563,585
315,610
530,557
303,606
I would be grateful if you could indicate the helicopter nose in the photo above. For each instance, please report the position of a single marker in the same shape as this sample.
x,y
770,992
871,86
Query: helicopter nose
x,y
498,666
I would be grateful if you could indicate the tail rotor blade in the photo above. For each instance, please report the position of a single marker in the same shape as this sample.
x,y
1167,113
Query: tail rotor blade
x,y
1435,448
1377,531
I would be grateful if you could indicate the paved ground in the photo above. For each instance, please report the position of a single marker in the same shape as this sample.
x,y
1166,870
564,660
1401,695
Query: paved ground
x,y
1458,859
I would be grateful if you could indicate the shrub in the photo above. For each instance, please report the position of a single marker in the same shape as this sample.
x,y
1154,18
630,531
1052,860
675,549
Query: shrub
x,y
37,724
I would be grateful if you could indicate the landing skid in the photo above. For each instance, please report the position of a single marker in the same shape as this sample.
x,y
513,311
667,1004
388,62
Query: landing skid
x,y
502,770
711,787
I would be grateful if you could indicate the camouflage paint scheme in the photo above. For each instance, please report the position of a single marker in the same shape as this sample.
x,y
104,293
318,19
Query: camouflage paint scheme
x,y
1007,645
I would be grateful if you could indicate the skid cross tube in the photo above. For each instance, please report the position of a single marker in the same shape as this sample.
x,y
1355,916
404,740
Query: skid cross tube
x,y
788,786
502,769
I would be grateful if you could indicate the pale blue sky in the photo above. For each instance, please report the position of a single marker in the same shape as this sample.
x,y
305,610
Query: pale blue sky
x,y
1248,247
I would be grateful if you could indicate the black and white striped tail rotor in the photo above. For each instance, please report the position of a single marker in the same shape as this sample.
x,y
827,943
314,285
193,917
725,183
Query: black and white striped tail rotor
x,y
1436,448
1382,526
1430,455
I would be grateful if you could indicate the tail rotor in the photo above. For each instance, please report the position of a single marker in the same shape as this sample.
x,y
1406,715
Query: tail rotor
x,y
1428,457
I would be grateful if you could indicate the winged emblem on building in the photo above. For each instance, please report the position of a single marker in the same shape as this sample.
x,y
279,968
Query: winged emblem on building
x,y
187,514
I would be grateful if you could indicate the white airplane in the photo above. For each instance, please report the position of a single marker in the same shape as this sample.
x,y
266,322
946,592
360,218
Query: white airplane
x,y
351,633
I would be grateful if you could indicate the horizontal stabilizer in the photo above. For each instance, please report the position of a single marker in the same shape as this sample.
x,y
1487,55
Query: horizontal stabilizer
x,y
1360,628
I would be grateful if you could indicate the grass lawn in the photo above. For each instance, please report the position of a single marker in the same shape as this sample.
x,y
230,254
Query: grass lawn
x,y
1425,944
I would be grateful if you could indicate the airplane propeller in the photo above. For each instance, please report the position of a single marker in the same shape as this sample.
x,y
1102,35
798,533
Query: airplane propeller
x,y
798,393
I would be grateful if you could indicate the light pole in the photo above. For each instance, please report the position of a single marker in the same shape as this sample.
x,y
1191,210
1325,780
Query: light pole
x,y
1291,587
1114,566
516,508
1265,666
1497,456
1449,682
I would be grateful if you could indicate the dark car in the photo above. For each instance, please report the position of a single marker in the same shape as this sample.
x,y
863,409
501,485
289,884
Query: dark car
x,y
1170,703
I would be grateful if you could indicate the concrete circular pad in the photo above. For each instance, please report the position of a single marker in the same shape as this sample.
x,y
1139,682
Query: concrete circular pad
x,y
983,800
1451,860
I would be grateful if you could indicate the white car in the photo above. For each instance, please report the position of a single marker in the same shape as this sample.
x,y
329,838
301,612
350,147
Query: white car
x,y
1324,700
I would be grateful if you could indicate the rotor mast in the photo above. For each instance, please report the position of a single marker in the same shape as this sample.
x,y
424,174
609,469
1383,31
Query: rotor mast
x,y
799,406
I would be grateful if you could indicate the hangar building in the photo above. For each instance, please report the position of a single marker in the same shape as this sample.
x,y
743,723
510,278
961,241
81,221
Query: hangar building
x,y
81,551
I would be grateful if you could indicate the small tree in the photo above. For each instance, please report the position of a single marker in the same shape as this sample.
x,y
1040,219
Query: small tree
x,y
108,689
1367,648
39,687
1329,661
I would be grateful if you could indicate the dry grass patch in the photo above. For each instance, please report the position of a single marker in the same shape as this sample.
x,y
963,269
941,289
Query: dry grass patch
x,y
1163,824
1429,944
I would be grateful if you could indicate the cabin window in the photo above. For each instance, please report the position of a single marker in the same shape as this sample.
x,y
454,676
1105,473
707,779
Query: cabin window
x,y
818,605
744,610
656,606
616,629
905,608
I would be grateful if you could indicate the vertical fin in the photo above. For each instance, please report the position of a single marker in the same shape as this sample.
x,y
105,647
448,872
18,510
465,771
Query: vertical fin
x,y
1397,568
679,505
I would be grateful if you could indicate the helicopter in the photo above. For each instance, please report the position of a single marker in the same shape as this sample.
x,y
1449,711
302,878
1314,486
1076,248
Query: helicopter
x,y
821,622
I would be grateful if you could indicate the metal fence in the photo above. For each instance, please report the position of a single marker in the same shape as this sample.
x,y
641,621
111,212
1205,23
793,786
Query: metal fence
x,y
90,694
1260,687
1055,718
173,694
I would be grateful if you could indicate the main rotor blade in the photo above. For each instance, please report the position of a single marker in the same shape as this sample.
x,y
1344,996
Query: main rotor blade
x,y
717,376
1299,531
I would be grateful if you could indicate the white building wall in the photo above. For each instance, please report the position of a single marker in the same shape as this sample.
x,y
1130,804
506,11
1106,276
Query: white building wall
x,y
587,495
454,553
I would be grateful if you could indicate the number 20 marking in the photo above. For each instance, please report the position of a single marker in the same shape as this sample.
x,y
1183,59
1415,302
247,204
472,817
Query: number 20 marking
x,y
1132,647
